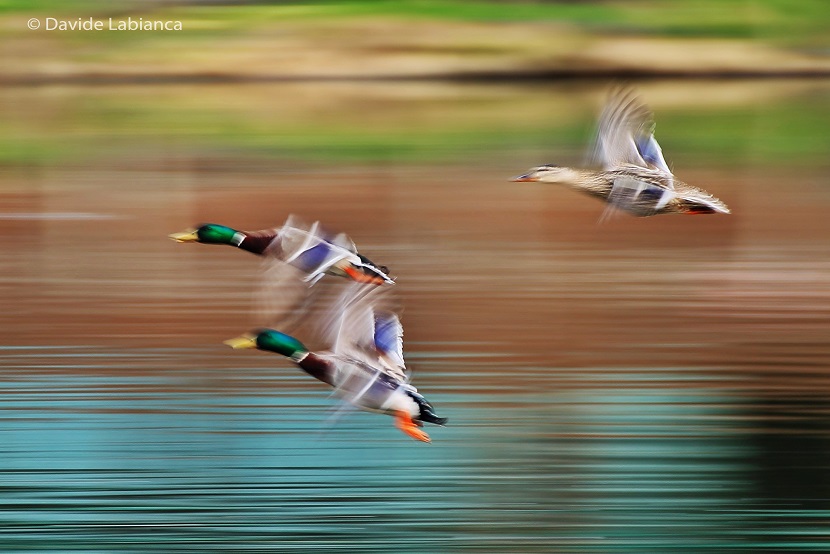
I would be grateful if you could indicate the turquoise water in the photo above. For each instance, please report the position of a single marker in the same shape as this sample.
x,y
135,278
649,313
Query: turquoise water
x,y
175,460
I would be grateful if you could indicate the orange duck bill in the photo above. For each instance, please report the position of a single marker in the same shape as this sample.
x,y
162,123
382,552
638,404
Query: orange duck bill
x,y
526,178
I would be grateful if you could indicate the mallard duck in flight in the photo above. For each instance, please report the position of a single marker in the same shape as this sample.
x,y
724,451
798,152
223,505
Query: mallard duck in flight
x,y
365,366
635,177
311,250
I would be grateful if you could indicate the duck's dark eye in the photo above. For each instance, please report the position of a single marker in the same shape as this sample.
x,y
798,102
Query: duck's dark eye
x,y
550,165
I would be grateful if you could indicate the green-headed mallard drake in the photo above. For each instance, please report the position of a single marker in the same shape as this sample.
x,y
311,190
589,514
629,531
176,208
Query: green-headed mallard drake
x,y
311,250
635,176
365,365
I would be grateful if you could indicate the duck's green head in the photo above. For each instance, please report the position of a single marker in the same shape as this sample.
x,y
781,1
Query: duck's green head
x,y
209,233
270,340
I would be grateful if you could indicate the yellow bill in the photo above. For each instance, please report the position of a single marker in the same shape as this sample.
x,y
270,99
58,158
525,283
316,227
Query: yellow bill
x,y
190,235
245,341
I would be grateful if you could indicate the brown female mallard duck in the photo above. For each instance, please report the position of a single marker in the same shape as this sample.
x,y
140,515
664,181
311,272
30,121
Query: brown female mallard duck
x,y
635,177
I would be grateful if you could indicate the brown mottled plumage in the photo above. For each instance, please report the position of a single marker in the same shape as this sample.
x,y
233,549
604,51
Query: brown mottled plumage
x,y
635,177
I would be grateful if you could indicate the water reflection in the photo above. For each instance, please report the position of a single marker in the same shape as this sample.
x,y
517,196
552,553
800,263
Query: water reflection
x,y
170,457
639,386
142,460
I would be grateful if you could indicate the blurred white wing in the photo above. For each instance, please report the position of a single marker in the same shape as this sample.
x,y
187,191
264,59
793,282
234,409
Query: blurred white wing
x,y
625,134
362,324
343,241
283,296
650,150
389,338
311,249
296,259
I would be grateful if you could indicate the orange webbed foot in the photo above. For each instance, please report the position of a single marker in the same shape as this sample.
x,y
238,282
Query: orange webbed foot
x,y
361,277
404,422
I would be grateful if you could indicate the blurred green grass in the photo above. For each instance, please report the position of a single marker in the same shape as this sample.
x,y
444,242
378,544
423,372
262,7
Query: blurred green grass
x,y
369,124
798,23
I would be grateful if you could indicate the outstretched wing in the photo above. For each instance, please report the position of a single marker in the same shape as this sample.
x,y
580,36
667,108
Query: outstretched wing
x,y
649,149
299,256
625,134
296,259
310,248
283,297
315,252
389,338
363,324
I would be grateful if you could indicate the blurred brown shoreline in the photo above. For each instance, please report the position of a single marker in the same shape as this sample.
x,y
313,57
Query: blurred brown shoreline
x,y
452,77
385,48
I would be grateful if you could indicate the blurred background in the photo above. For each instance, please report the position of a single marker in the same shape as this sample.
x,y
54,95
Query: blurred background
x,y
641,385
